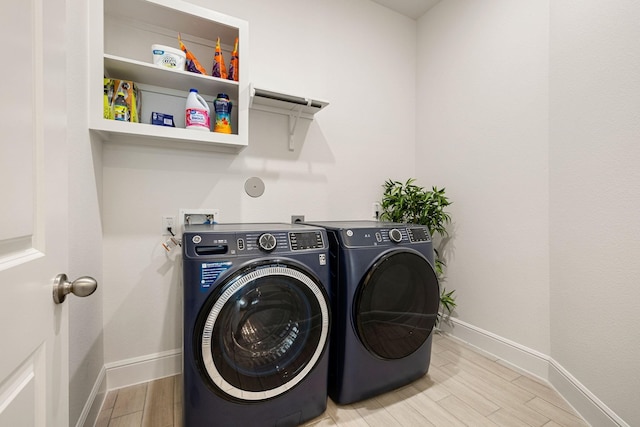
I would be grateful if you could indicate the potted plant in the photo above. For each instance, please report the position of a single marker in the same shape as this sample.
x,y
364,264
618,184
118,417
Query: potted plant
x,y
410,203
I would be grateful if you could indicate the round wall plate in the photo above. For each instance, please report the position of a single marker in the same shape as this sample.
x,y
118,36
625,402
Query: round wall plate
x,y
254,186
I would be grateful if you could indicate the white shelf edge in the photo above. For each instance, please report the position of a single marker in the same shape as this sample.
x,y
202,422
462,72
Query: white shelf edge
x,y
146,134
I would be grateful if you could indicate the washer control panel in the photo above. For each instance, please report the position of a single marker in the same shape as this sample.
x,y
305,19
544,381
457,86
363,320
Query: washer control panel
x,y
226,240
265,242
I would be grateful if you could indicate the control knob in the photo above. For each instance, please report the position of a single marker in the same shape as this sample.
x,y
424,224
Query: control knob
x,y
395,235
267,242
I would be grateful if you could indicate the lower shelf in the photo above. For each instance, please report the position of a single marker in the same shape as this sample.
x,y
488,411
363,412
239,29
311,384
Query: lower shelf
x,y
146,134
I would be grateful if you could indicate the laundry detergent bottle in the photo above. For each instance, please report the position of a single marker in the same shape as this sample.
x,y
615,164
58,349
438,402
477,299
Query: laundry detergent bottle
x,y
121,108
197,112
222,106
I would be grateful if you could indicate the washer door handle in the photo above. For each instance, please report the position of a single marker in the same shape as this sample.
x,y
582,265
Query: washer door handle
x,y
81,287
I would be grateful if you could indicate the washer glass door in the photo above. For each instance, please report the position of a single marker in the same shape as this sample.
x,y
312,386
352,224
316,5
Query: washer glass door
x,y
263,331
396,304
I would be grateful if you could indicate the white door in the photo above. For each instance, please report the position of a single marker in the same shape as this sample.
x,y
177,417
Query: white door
x,y
33,214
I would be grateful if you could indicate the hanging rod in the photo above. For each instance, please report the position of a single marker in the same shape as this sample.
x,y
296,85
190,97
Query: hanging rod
x,y
283,103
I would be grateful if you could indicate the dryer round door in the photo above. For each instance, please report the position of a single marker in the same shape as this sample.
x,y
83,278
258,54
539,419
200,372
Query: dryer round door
x,y
396,304
263,331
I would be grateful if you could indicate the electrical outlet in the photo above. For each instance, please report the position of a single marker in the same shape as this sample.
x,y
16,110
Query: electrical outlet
x,y
168,221
295,219
375,210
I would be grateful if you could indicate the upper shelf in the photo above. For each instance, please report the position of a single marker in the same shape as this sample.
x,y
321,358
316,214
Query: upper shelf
x,y
137,71
176,15
282,103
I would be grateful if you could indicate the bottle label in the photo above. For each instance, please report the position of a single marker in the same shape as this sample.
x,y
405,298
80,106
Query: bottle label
x,y
197,117
222,122
121,112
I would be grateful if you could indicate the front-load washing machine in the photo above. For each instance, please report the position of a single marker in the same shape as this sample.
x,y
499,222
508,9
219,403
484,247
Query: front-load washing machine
x,y
256,324
385,297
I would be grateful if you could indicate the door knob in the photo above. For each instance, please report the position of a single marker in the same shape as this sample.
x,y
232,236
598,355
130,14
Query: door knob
x,y
81,287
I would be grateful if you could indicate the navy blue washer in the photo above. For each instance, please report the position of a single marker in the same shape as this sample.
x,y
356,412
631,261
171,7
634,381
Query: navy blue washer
x,y
256,324
384,298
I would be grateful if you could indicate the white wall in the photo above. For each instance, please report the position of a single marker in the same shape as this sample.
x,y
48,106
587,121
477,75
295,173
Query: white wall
x,y
357,55
594,197
482,134
528,113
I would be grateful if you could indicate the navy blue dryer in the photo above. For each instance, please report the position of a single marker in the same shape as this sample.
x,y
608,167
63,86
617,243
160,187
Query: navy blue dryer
x,y
385,297
256,324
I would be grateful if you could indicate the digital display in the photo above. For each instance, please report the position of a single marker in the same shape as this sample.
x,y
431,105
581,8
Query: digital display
x,y
311,240
418,235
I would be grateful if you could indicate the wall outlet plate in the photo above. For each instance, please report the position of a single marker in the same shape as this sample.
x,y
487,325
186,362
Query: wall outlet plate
x,y
295,219
376,210
168,221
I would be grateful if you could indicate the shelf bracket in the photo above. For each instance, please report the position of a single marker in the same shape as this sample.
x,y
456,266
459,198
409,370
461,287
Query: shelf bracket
x,y
293,122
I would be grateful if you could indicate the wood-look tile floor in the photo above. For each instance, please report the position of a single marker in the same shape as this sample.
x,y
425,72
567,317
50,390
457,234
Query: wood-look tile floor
x,y
463,388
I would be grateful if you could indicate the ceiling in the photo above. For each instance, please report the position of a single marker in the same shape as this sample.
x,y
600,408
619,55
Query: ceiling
x,y
412,8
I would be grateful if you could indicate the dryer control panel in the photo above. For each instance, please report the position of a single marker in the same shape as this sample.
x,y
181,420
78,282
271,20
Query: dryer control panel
x,y
418,234
363,237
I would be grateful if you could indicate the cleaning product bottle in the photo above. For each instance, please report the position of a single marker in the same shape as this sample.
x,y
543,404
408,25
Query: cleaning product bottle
x,y
219,69
196,112
192,65
234,71
222,106
107,108
121,108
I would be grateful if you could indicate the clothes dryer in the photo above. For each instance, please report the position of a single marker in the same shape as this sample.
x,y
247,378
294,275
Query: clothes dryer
x,y
256,324
384,297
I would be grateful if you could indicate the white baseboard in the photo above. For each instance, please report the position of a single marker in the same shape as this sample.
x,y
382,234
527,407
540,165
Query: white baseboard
x,y
520,356
138,370
592,409
128,372
94,402
586,403
159,365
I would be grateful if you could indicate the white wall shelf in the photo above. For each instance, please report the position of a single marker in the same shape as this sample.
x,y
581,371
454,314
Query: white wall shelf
x,y
146,134
283,103
120,48
293,106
